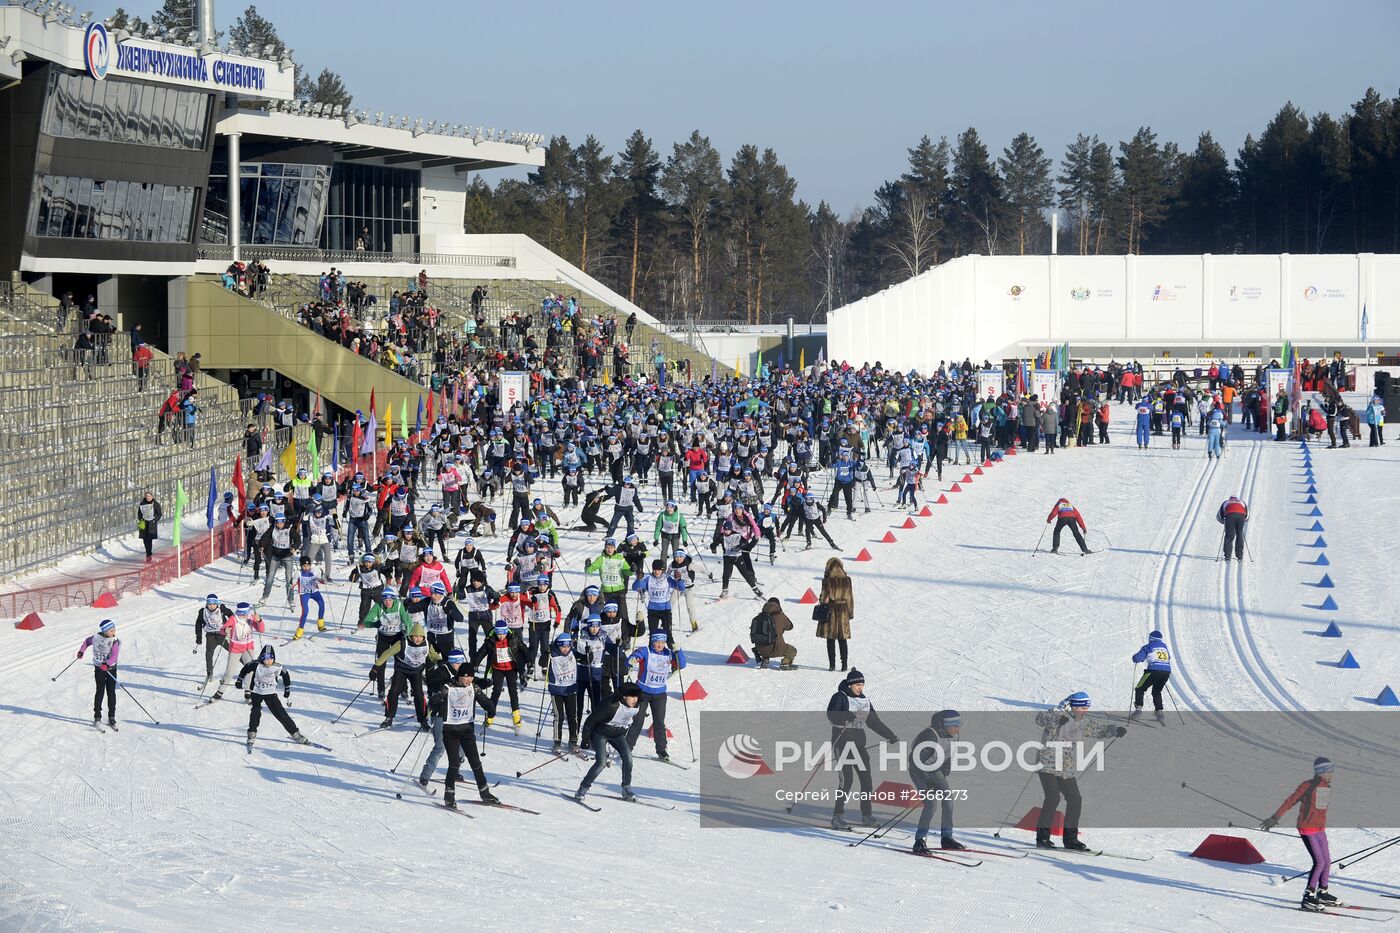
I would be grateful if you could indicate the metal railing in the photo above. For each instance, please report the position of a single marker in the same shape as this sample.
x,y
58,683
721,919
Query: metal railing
x,y
224,253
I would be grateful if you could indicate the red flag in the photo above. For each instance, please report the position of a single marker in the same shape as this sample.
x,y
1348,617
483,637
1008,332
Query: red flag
x,y
371,400
316,409
432,397
238,483
357,441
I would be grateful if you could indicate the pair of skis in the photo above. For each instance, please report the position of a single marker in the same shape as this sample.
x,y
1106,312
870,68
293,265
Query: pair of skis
x,y
633,799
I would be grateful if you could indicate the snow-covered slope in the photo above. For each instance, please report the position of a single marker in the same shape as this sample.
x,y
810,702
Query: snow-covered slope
x,y
173,826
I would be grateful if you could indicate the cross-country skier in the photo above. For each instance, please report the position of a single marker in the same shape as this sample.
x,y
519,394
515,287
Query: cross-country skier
x,y
670,529
278,543
262,691
1059,772
562,681
1312,797
391,619
506,652
608,726
209,625
411,657
654,662
850,712
658,587
241,641
1065,515
1233,514
933,782
438,676
455,703
1155,677
106,652
309,586
739,534
1144,423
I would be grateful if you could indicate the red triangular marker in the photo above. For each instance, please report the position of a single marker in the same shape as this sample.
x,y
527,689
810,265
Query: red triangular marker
x,y
909,522
1011,451
889,538
651,733
956,488
105,601
737,656
30,622
977,472
694,691
864,555
808,598
989,463
926,512
941,500
967,477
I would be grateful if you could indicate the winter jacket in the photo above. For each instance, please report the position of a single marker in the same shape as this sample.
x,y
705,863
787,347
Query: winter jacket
x,y
1156,655
850,715
239,634
1066,512
840,608
1312,797
781,624
1060,725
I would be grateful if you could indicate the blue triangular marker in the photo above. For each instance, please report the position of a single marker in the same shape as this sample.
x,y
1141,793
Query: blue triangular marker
x,y
1316,526
1325,583
1318,543
1311,490
1315,513
1332,631
1348,661
1310,500
1388,698
1321,561
1328,605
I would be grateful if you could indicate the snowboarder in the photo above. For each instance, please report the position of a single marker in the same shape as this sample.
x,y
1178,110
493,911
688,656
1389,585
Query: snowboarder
x,y
608,726
933,782
654,662
1059,773
106,651
1065,515
850,712
1159,671
1312,797
262,691
1233,514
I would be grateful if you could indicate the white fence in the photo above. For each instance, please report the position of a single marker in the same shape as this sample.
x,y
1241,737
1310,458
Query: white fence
x,y
990,307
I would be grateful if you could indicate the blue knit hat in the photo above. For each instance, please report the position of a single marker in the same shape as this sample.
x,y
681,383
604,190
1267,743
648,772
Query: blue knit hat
x,y
1078,700
106,625
1322,766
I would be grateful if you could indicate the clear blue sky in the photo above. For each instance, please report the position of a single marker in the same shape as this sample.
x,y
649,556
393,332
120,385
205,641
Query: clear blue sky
x,y
840,91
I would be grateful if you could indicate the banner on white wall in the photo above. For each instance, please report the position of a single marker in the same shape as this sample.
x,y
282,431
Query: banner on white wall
x,y
1278,379
1045,384
991,382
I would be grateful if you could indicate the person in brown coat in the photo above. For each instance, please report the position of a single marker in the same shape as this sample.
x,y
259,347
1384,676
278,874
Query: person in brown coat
x,y
778,646
840,604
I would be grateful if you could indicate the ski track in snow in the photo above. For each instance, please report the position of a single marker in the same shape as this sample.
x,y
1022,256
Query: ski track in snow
x,y
167,827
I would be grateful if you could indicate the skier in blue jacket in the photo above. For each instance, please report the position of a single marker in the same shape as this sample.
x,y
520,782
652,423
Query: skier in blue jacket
x,y
1144,423
843,481
1159,671
654,663
658,586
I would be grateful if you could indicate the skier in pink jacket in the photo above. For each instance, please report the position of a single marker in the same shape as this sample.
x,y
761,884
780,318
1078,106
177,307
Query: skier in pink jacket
x,y
242,642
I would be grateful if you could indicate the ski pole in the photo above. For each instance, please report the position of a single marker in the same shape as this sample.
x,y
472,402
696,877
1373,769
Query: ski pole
x,y
352,702
1258,819
1039,540
1246,548
1132,690
539,717
1174,706
485,732
133,698
552,760
64,671
398,794
685,707
790,806
340,623
1219,552
1007,818
1378,847
395,768
876,831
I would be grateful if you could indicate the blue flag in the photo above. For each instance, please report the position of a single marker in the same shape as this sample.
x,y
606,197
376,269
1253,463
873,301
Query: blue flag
x,y
335,448
265,461
213,499
418,422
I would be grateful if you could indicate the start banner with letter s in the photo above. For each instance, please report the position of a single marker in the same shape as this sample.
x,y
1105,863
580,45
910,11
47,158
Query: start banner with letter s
x,y
514,387
990,382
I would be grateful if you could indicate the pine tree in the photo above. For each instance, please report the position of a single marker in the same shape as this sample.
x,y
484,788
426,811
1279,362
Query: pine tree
x,y
328,88
553,187
1076,189
596,194
255,33
1143,170
1203,206
976,203
691,182
638,168
1026,172
927,178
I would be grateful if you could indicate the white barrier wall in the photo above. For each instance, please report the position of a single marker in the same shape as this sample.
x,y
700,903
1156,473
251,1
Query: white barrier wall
x,y
985,306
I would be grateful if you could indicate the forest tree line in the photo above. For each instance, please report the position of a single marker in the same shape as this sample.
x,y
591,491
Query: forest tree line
x,y
688,232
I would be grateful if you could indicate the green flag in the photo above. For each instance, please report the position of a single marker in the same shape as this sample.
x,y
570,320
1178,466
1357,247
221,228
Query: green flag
x,y
181,500
315,458
403,418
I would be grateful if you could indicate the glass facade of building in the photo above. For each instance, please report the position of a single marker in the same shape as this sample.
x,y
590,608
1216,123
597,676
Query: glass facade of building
x,y
376,202
283,204
84,208
77,107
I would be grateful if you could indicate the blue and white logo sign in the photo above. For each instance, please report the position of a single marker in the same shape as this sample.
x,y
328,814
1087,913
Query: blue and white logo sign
x,y
96,50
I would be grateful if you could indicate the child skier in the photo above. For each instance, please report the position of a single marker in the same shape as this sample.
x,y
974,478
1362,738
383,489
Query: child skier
x,y
1312,797
262,691
106,650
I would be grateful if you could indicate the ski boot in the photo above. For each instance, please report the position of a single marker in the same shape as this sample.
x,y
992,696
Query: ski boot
x,y
252,735
1160,717
1310,901
449,800
578,794
486,796
868,821
1071,841
1135,714
112,723
839,822
663,756
388,723
96,718
695,625
218,695
724,593
1327,900
300,739
1054,550
423,783
920,847
951,845
1042,839
575,751
296,636
555,749
515,718
757,591
320,625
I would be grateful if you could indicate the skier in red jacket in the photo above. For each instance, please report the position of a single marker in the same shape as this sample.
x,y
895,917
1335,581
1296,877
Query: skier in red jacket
x,y
1065,516
1312,797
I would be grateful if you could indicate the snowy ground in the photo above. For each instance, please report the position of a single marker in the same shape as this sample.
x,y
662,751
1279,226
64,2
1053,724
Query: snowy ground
x,y
172,826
